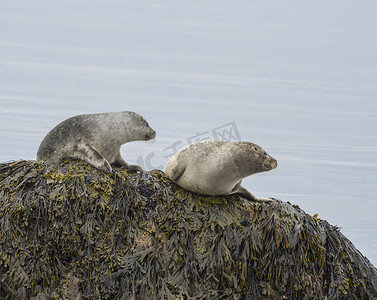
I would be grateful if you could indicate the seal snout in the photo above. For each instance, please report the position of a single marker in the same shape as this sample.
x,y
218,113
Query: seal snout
x,y
151,135
270,163
274,163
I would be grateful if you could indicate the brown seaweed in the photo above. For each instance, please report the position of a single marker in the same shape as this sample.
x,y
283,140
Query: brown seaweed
x,y
73,232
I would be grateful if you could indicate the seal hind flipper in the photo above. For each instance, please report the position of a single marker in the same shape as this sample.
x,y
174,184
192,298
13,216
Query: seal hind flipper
x,y
86,152
174,169
176,172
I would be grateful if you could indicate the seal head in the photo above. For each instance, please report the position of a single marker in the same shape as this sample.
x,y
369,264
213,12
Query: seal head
x,y
253,158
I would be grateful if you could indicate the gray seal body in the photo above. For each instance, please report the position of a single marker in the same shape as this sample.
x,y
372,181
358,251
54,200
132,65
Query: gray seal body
x,y
96,138
215,167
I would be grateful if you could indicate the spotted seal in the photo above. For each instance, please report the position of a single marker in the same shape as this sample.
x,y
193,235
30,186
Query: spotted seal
x,y
215,167
96,138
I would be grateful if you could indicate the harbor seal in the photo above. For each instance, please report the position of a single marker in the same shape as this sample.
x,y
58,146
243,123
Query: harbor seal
x,y
96,139
215,167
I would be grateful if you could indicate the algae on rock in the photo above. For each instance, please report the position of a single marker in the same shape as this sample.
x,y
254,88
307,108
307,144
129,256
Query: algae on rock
x,y
73,232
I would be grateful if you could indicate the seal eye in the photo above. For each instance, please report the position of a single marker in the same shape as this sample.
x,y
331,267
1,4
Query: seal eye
x,y
142,121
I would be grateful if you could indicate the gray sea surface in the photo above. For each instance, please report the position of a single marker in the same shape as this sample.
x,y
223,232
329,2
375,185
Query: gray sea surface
x,y
298,78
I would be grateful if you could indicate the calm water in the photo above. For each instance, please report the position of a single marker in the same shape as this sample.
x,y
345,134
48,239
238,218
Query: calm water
x,y
297,78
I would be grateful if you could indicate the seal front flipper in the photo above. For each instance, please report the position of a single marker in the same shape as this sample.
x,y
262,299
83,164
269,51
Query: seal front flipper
x,y
120,162
244,193
135,168
86,152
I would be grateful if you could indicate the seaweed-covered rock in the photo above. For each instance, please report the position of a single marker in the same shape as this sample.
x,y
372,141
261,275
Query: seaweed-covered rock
x,y
73,232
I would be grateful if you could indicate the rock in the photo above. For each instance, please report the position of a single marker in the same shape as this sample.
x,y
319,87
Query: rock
x,y
73,232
